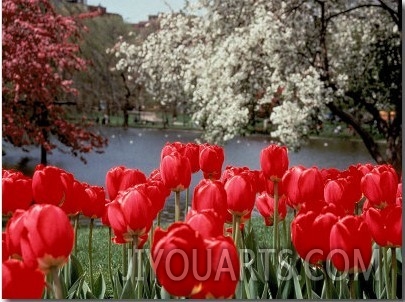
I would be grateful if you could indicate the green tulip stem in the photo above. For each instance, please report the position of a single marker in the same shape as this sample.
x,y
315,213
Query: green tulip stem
x,y
387,273
285,233
237,230
124,262
134,260
307,280
90,247
394,273
140,284
328,283
110,256
187,202
177,206
352,287
275,218
233,227
57,286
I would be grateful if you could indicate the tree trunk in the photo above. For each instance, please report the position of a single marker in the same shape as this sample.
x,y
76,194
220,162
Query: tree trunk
x,y
43,156
126,105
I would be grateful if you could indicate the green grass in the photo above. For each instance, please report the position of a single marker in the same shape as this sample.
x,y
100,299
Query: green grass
x,y
101,238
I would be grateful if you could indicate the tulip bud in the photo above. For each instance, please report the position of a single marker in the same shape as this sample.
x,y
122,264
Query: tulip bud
x,y
210,194
223,262
51,185
274,161
192,152
121,178
16,191
240,195
265,206
175,259
94,206
175,171
48,237
343,193
302,185
207,222
130,214
385,225
78,197
350,244
380,186
313,249
211,160
20,281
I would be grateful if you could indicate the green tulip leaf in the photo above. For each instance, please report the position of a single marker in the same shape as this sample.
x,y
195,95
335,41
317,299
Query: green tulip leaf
x,y
100,287
117,285
164,294
128,291
76,269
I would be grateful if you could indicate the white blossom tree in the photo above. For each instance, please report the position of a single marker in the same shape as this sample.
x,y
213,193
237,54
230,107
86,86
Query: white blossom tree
x,y
229,58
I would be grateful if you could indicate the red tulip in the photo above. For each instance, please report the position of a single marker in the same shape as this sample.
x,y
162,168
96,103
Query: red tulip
x,y
364,168
175,171
94,207
155,175
224,267
240,195
16,191
344,193
310,235
210,194
179,258
5,254
350,244
385,225
20,281
121,178
157,193
232,171
399,195
192,152
380,186
274,161
169,148
211,160
303,185
253,176
261,181
51,185
78,197
330,174
14,231
207,222
265,206
270,188
130,214
48,237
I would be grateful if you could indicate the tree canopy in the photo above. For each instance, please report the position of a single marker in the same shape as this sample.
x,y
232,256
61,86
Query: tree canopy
x,y
40,53
303,59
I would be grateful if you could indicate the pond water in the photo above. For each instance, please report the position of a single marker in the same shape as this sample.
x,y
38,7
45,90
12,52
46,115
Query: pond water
x,y
140,148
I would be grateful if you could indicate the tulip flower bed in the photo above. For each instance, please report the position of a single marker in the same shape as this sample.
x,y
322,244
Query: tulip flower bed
x,y
331,233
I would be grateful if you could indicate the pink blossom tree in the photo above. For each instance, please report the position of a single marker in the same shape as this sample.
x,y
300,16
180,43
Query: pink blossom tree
x,y
40,52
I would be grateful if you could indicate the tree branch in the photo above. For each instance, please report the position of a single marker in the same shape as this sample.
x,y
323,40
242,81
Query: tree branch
x,y
349,10
392,12
368,140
